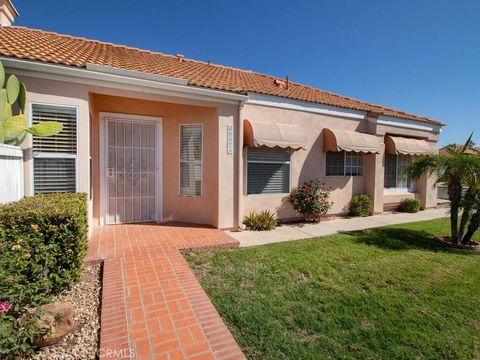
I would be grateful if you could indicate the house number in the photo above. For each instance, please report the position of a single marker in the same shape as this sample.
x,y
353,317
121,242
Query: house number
x,y
229,139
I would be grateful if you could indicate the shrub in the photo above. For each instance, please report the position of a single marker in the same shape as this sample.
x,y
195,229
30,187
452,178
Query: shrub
x,y
263,221
311,200
361,205
43,240
409,206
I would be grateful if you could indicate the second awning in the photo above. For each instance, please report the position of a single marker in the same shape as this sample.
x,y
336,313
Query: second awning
x,y
407,146
258,133
346,140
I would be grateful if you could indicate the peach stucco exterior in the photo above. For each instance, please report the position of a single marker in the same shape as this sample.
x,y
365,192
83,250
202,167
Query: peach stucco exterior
x,y
223,201
310,163
216,204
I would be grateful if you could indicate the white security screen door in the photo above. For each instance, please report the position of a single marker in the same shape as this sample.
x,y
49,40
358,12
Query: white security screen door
x,y
131,172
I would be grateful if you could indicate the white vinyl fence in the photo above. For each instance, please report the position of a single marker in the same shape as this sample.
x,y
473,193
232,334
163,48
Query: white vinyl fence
x,y
11,173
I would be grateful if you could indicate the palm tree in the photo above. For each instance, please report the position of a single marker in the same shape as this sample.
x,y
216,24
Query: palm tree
x,y
459,170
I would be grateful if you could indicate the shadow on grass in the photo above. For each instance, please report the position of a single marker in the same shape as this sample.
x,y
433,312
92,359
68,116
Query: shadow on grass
x,y
402,239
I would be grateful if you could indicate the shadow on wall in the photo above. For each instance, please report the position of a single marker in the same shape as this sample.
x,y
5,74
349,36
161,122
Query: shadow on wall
x,y
286,212
343,187
313,166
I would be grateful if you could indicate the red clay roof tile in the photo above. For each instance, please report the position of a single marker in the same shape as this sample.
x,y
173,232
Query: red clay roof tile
x,y
38,45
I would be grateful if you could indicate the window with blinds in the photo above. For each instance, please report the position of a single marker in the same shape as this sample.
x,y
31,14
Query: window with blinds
x,y
395,166
344,163
268,171
191,148
54,157
335,163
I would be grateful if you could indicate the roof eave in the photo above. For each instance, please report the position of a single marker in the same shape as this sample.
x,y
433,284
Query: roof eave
x,y
52,71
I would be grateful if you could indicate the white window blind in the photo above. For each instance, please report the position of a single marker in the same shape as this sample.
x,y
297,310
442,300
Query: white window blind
x,y
395,166
54,157
191,148
344,163
268,171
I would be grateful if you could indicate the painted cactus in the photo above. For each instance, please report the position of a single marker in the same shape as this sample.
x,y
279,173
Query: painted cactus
x,y
14,127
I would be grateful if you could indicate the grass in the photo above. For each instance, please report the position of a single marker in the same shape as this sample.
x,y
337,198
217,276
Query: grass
x,y
386,293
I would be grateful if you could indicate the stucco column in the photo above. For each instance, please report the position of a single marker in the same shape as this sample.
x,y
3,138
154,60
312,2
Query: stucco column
x,y
427,191
374,180
227,117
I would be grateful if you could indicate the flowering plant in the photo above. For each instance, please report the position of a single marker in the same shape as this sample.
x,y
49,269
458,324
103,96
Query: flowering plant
x,y
312,200
5,306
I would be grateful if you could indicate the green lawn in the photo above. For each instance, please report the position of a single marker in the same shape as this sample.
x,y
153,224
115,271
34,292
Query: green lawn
x,y
387,293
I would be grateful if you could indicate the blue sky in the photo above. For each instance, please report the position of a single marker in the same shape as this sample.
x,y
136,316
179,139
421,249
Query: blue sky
x,y
420,56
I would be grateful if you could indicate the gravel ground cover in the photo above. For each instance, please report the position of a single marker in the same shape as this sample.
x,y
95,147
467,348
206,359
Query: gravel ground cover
x,y
82,342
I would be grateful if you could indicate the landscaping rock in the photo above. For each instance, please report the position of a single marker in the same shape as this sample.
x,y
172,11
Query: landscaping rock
x,y
58,320
82,342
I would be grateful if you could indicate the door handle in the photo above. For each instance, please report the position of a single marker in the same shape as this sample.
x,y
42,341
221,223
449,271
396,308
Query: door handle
x,y
109,172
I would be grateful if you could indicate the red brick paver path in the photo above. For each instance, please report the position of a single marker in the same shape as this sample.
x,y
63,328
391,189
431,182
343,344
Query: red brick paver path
x,y
152,305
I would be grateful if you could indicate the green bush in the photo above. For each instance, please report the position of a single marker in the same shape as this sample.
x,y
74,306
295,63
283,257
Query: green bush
x,y
43,240
409,206
312,200
263,221
361,205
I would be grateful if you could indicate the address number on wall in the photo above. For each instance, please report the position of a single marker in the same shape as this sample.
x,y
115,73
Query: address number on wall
x,y
229,139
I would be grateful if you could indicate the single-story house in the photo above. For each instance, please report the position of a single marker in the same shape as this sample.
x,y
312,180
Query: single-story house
x,y
155,137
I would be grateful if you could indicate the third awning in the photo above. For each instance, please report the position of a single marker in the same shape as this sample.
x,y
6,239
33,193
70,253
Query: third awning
x,y
407,146
346,140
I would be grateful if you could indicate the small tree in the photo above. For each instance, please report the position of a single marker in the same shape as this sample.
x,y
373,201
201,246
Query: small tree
x,y
13,128
458,170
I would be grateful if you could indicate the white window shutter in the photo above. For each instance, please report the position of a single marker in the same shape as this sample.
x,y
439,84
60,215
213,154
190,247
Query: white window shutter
x,y
54,157
191,158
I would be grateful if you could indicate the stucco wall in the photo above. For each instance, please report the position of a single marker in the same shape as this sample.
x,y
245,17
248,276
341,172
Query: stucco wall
x,y
60,93
210,208
305,164
203,209
310,164
218,203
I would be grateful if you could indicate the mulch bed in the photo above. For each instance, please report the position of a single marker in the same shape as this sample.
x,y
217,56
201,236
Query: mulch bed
x,y
82,342
447,241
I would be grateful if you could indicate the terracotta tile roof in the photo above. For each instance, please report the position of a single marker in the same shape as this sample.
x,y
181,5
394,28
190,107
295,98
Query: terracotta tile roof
x,y
38,45
470,150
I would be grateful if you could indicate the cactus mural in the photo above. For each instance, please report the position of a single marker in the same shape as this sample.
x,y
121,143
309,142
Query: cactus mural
x,y
13,127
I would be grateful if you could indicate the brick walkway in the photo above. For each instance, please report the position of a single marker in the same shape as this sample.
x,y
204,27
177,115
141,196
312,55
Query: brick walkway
x,y
152,305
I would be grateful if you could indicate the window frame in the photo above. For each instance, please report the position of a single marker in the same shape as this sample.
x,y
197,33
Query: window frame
x,y
180,160
345,164
410,184
289,162
47,155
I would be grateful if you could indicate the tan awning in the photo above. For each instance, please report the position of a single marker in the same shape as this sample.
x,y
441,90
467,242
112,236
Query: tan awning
x,y
407,146
258,133
345,140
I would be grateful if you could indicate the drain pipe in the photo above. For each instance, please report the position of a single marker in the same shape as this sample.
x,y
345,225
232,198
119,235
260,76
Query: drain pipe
x,y
239,197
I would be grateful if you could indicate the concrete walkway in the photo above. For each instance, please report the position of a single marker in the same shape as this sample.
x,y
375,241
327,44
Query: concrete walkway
x,y
304,231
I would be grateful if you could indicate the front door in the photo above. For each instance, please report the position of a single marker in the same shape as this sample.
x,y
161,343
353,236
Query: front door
x,y
131,171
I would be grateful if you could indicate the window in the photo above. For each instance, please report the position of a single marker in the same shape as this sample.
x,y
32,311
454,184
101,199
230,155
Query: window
x,y
191,147
344,163
395,166
54,157
268,171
